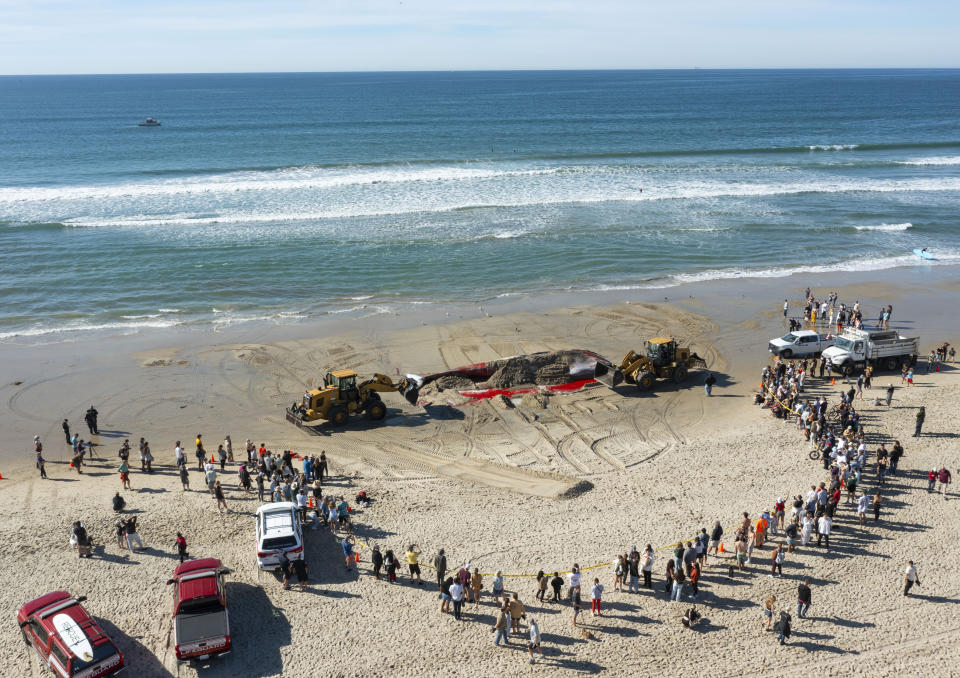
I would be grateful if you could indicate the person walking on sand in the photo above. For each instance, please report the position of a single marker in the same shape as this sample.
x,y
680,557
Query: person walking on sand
x,y
130,529
185,477
877,500
910,577
786,308
862,502
500,627
576,611
708,384
534,640
66,431
218,493
646,568
413,562
41,465
694,578
679,583
824,526
715,534
596,593
804,598
740,549
777,558
222,457
889,394
943,475
782,628
768,610
124,475
228,446
181,543
346,544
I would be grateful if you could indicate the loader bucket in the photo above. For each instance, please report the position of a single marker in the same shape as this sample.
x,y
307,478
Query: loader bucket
x,y
609,376
409,389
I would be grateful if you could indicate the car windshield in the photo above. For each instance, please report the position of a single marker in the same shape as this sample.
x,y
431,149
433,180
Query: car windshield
x,y
201,605
843,343
100,652
789,338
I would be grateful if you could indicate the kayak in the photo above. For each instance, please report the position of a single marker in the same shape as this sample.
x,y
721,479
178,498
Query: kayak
x,y
923,253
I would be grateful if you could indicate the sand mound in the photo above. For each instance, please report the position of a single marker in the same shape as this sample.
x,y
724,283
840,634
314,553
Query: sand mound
x,y
452,381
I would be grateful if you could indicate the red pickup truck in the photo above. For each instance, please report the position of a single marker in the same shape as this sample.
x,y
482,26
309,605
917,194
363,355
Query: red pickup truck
x,y
200,618
68,639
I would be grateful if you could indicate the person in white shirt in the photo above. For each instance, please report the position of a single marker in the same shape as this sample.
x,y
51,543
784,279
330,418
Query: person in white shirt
x,y
862,504
456,595
823,530
574,582
596,592
178,451
534,640
910,578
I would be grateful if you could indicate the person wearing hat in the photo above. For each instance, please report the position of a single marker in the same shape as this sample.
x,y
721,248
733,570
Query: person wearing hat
x,y
440,565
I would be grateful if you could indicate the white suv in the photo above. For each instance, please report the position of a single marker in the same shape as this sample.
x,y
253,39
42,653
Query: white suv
x,y
278,530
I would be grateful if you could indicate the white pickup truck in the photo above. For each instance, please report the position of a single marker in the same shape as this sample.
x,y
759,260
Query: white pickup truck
x,y
884,349
800,344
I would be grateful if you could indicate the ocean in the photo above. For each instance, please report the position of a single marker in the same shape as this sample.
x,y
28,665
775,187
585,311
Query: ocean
x,y
284,197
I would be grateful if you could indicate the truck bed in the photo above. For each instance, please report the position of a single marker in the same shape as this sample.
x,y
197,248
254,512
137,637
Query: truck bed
x,y
191,628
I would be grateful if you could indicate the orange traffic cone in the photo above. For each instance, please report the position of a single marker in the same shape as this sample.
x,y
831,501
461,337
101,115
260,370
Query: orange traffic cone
x,y
310,502
833,381
1,476
722,550
211,458
356,557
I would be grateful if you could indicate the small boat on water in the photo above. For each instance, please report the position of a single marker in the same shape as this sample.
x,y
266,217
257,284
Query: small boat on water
x,y
149,122
923,253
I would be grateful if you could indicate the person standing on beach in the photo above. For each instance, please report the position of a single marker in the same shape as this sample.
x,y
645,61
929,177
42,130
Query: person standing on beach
x,y
91,420
877,500
786,308
476,585
715,534
943,475
517,611
66,431
910,577
218,493
456,595
596,593
124,475
200,454
708,384
322,468
824,526
181,543
222,457
769,607
347,546
41,464
300,569
440,566
184,477
804,598
556,582
413,562
376,559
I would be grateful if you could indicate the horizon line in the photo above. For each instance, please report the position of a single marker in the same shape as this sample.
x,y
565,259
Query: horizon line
x,y
497,70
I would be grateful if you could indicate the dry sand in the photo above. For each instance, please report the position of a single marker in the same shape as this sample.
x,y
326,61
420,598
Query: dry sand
x,y
543,484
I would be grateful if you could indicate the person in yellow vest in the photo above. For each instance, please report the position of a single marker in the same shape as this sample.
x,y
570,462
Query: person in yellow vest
x,y
413,562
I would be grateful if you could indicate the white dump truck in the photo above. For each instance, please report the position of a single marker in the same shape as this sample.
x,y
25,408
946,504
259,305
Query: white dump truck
x,y
800,344
883,349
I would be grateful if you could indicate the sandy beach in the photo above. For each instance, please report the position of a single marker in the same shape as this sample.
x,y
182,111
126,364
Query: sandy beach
x,y
579,478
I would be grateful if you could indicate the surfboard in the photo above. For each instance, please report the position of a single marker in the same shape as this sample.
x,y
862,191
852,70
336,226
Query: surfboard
x,y
73,637
923,253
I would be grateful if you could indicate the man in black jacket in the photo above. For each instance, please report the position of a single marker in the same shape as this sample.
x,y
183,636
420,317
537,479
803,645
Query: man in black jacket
x,y
803,598
440,565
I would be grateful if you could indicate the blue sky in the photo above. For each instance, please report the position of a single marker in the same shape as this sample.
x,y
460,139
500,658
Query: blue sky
x,y
144,36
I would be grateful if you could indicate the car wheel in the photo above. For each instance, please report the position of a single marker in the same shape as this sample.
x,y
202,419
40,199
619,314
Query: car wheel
x,y
848,370
786,354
